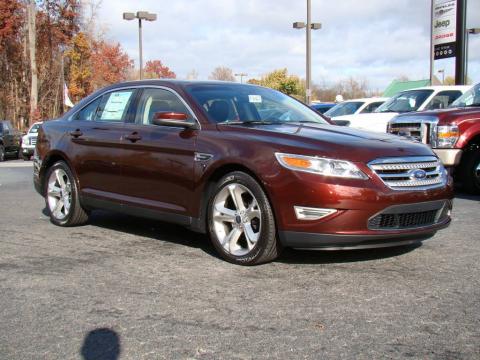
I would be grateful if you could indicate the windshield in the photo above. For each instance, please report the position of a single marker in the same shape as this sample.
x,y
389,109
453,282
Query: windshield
x,y
233,103
470,98
344,108
34,129
405,101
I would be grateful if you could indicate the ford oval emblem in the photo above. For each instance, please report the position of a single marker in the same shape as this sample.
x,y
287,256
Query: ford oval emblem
x,y
419,174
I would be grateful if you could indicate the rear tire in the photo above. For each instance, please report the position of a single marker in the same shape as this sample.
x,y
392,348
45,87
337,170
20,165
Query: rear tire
x,y
2,153
61,196
26,157
470,172
241,224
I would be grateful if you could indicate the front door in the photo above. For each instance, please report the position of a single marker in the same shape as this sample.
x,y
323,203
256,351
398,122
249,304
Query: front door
x,y
159,160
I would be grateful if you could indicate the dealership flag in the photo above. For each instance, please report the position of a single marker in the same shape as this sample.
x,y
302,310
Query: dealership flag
x,y
66,98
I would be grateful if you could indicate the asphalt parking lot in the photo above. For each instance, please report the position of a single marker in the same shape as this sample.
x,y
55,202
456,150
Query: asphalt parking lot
x,y
149,290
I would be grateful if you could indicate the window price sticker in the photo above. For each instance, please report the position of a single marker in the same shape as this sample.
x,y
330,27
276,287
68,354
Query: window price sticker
x,y
255,98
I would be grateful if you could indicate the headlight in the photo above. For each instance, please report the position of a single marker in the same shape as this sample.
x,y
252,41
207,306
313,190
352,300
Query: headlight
x,y
321,166
447,136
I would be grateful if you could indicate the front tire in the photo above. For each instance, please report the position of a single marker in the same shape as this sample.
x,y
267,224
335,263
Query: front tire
x,y
470,172
241,224
2,153
61,196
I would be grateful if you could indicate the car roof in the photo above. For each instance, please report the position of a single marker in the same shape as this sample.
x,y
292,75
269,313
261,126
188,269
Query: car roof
x,y
373,99
177,82
441,87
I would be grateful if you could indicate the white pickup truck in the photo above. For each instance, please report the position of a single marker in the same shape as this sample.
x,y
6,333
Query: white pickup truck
x,y
424,98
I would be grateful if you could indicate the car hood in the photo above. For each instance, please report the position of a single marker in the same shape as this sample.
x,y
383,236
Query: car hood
x,y
371,121
459,111
330,141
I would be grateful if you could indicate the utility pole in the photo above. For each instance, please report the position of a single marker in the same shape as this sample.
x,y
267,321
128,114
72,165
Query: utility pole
x,y
31,13
460,46
140,15
242,75
309,26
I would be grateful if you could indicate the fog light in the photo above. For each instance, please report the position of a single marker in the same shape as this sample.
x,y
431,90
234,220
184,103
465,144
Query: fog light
x,y
308,213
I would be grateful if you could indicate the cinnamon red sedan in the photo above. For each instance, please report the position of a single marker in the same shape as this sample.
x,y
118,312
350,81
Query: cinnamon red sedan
x,y
255,169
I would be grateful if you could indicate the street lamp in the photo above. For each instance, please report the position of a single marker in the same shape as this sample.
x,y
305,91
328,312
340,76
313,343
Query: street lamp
x,y
471,31
242,75
442,71
140,15
308,26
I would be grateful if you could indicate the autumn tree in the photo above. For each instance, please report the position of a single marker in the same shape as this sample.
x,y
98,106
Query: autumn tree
x,y
80,70
222,73
13,66
280,80
154,69
109,64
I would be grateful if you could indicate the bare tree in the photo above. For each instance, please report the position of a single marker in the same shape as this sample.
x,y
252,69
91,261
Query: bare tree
x,y
192,75
222,73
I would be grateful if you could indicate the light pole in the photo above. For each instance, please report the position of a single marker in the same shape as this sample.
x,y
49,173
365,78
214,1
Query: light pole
x,y
140,15
309,26
442,71
242,75
471,31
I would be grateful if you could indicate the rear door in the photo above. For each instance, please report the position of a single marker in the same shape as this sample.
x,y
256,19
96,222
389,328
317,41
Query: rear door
x,y
159,160
96,139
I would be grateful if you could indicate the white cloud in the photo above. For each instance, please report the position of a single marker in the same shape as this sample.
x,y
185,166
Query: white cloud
x,y
376,39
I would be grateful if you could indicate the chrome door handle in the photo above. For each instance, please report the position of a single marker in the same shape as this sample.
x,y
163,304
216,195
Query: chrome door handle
x,y
76,133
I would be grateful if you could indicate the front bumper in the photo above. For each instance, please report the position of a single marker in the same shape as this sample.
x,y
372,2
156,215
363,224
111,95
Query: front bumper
x,y
449,157
390,235
301,240
367,212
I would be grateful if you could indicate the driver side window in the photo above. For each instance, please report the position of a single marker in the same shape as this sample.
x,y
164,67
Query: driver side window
x,y
153,101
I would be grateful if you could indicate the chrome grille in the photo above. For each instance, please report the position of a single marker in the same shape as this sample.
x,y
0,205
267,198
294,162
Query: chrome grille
x,y
409,130
33,141
410,173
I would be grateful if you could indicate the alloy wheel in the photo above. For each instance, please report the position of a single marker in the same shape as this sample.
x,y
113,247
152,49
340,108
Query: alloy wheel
x,y
236,219
59,194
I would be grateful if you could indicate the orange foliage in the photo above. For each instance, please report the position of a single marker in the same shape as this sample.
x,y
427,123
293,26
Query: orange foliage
x,y
156,70
109,64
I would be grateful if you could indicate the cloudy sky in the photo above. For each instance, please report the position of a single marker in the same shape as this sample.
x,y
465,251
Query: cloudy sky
x,y
377,40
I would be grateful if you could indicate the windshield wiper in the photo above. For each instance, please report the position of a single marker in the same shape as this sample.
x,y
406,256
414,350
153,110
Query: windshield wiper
x,y
249,122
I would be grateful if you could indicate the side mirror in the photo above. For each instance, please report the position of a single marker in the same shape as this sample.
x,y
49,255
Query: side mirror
x,y
168,118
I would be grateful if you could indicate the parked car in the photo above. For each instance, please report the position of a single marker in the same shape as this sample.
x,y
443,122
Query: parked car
x,y
355,106
29,140
200,154
322,107
9,140
418,99
453,133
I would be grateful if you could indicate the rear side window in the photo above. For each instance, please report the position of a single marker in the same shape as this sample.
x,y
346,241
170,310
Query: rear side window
x,y
443,99
114,106
88,112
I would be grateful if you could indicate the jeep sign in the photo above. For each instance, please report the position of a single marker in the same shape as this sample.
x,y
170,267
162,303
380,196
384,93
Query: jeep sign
x,y
444,28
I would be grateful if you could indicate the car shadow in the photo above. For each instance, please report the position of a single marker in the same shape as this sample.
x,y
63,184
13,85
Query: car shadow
x,y
465,196
154,229
294,256
176,234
